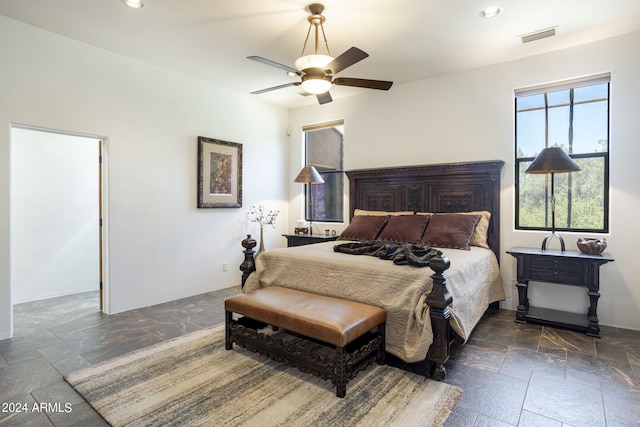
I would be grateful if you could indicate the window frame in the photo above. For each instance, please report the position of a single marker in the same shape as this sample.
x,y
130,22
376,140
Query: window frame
x,y
518,161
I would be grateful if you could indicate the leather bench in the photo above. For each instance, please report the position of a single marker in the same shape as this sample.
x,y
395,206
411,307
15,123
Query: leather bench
x,y
346,335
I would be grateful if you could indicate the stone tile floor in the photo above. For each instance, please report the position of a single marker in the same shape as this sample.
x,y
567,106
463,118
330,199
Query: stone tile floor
x,y
530,375
512,374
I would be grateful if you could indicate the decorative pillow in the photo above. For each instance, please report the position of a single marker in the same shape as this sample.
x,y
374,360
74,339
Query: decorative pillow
x,y
480,234
359,212
452,231
364,227
479,237
404,229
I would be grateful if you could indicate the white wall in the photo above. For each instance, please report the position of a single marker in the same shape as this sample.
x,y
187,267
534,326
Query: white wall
x,y
160,247
469,116
55,245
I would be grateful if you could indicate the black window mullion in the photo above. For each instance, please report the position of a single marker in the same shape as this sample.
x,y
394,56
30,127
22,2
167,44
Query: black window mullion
x,y
570,177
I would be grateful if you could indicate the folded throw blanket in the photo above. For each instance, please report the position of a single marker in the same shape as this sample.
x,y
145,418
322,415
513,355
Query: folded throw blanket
x,y
400,254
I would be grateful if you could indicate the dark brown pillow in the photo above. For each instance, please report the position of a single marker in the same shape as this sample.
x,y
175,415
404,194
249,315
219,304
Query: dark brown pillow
x,y
364,227
452,231
404,229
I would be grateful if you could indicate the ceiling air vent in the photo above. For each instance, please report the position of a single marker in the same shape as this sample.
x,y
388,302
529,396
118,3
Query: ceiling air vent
x,y
537,35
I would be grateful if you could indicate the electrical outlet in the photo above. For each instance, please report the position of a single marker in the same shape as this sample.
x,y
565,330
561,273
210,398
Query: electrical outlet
x,y
225,266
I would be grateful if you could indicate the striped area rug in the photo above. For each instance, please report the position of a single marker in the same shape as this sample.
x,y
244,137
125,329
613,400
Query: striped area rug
x,y
193,381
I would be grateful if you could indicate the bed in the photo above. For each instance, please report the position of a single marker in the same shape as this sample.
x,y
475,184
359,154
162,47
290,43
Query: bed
x,y
427,308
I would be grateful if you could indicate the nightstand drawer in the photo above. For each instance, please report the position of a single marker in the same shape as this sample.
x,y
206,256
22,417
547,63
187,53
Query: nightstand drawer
x,y
557,270
560,276
556,264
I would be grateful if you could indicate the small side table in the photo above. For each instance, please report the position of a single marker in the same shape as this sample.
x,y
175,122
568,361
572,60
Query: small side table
x,y
564,268
305,239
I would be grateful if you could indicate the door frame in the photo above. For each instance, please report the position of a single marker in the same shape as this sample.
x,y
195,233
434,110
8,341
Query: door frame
x,y
102,158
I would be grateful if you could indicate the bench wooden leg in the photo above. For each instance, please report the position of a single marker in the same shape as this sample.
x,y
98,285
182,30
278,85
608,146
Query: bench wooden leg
x,y
228,318
340,371
381,346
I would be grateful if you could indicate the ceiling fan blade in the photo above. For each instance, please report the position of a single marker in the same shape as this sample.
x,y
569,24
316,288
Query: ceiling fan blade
x,y
346,59
269,89
324,98
273,64
368,84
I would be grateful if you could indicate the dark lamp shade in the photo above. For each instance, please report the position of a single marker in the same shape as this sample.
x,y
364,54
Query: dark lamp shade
x,y
309,175
552,160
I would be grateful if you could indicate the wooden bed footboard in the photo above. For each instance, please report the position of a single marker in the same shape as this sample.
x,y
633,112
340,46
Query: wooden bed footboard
x,y
438,301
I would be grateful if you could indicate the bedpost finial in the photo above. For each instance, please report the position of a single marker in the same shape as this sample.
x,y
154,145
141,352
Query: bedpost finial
x,y
248,266
249,243
439,263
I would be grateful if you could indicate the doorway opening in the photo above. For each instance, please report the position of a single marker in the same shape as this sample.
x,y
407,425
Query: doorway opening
x,y
57,201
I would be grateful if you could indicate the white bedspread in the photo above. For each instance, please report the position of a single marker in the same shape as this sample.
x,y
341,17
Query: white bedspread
x,y
474,282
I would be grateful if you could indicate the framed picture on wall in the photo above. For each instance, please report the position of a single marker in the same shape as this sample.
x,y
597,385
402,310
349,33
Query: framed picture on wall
x,y
219,173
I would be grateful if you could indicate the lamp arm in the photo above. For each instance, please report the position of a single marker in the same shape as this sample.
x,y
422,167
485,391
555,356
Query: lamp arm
x,y
553,221
310,209
553,204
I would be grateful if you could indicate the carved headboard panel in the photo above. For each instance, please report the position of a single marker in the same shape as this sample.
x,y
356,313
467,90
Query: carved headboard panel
x,y
446,187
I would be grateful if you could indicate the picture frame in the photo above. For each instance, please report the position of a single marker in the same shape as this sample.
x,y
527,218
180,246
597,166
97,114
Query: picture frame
x,y
219,173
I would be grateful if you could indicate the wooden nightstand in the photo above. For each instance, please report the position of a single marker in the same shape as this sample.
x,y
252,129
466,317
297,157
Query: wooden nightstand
x,y
564,268
305,239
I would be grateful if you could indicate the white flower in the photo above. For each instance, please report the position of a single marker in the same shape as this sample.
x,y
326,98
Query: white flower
x,y
259,214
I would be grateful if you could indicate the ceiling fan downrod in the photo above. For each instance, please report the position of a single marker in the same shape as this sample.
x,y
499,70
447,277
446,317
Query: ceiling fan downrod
x,y
316,19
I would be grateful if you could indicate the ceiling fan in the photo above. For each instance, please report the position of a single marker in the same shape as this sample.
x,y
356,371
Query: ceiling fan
x,y
317,71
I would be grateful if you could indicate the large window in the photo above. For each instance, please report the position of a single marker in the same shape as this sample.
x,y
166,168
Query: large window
x,y
323,149
574,116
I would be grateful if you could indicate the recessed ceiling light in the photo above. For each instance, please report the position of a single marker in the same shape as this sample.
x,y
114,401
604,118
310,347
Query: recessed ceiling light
x,y
491,12
136,4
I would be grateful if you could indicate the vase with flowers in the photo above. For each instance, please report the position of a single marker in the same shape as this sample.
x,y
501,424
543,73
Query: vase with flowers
x,y
264,217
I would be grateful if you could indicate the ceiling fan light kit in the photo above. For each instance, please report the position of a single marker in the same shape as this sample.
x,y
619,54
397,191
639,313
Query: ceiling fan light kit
x,y
316,70
312,61
315,81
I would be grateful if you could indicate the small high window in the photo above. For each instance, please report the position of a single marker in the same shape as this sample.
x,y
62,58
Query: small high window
x,y
324,150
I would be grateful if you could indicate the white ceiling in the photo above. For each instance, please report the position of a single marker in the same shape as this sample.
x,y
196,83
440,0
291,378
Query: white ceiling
x,y
407,40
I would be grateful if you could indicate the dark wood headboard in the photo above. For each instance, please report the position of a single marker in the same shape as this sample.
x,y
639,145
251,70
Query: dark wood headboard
x,y
446,187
